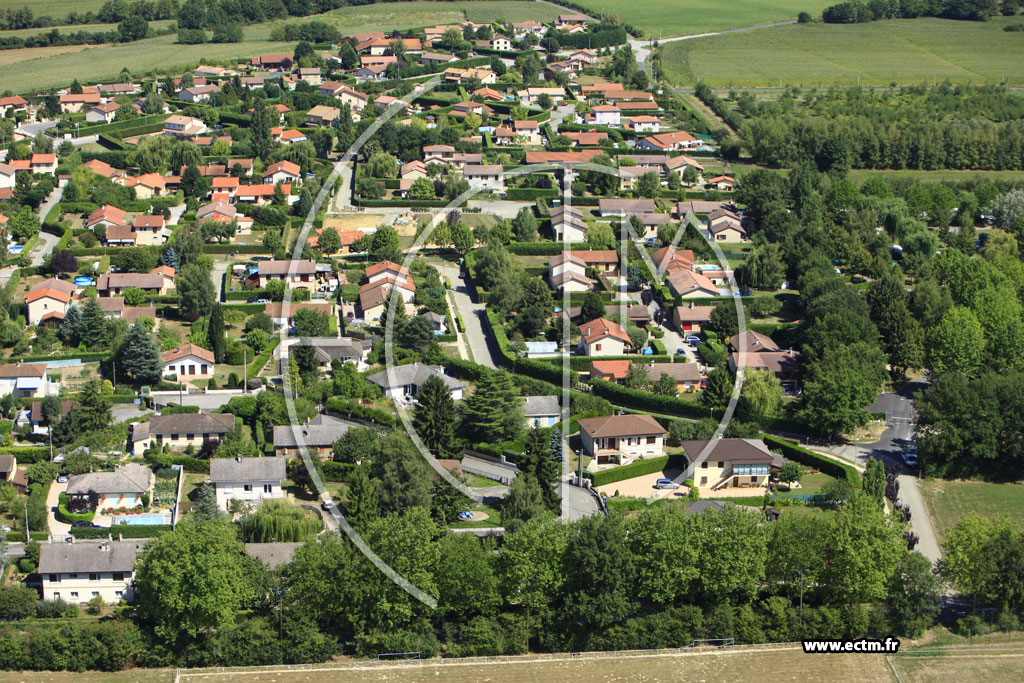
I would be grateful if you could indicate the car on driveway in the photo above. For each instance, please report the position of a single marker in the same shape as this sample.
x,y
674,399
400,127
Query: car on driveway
x,y
665,484
692,340
86,525
62,478
327,505
680,351
910,459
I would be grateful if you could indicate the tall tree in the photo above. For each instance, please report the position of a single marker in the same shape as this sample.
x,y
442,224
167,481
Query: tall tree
x,y
494,411
195,290
215,332
435,417
140,356
91,327
839,385
259,127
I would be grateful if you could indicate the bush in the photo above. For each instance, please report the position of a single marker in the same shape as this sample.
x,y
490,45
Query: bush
x,y
123,530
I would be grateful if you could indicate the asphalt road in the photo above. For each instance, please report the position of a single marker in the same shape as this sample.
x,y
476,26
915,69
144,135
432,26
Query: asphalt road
x,y
483,348
577,503
894,441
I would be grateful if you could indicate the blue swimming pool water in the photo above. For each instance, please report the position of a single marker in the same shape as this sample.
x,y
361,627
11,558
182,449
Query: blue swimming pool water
x,y
142,520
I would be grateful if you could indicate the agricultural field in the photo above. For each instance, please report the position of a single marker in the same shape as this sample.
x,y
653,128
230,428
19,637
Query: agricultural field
x,y
909,51
36,68
689,17
950,501
58,9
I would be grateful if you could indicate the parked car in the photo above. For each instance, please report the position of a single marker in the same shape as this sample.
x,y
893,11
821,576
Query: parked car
x,y
62,478
665,484
692,340
910,459
86,525
680,351
327,505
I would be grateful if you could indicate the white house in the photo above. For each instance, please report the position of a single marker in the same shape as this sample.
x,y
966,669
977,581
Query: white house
x,y
567,224
188,362
622,439
567,272
246,479
26,380
122,488
486,176
78,572
605,115
603,337
405,380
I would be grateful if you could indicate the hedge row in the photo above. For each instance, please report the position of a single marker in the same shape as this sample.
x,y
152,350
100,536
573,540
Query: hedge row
x,y
643,400
636,469
234,249
542,248
410,203
354,408
27,455
261,360
193,465
85,356
123,530
528,194
337,471
583,362
795,452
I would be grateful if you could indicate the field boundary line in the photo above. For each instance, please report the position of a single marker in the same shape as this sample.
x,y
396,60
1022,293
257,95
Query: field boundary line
x,y
369,665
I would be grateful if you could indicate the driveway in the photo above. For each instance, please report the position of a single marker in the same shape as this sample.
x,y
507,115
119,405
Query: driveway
x,y
176,213
895,440
127,413
343,202
44,247
560,113
577,502
217,276
481,345
57,527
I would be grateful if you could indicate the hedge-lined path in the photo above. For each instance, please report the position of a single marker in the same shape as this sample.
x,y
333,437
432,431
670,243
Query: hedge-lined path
x,y
480,344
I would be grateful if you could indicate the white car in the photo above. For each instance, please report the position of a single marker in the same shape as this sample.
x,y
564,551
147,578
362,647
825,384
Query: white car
x,y
665,484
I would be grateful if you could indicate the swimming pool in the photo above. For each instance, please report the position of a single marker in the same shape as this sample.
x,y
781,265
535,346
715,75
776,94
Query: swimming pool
x,y
148,519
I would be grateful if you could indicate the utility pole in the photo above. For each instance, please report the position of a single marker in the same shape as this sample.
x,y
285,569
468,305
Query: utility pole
x,y
245,378
28,537
180,401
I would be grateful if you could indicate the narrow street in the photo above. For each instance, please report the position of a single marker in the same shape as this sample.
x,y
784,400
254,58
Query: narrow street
x,y
480,344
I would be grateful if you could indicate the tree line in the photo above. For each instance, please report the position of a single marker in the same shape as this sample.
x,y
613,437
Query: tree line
x,y
855,11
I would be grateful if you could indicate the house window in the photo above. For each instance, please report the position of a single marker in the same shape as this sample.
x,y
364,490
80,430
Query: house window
x,y
190,436
204,368
74,594
704,465
268,488
95,594
247,488
55,578
721,464
118,576
94,577
703,481
174,437
597,347
753,480
118,594
652,439
56,596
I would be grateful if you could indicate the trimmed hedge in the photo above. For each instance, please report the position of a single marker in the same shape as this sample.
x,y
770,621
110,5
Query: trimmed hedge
x,y
410,203
235,249
27,455
337,471
193,465
528,194
646,401
543,248
354,408
85,356
261,360
123,530
797,453
72,517
636,469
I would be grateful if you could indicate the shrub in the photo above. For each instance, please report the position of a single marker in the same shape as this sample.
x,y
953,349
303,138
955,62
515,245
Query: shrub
x,y
803,456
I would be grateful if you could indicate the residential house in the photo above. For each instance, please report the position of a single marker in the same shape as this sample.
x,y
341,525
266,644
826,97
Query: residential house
x,y
541,411
282,314
401,381
291,136
45,164
250,480
604,115
521,29
726,226
78,572
668,142
311,75
371,72
122,488
114,284
167,273
644,123
26,380
687,376
489,94
605,261
8,176
755,342
527,131
680,163
282,172
272,555
465,76
625,207
587,139
15,103
691,283
374,295
721,182
322,115
100,168
413,170
566,21
295,274
602,337
317,436
670,259
731,463
151,185
699,207
182,126
621,439
222,212
614,371
382,102
198,93
691,319
102,113
260,194
346,349
567,224
529,96
188,362
470,107
75,103
438,153
346,94
567,272
48,301
485,176
10,474
785,365
273,62
428,58
202,431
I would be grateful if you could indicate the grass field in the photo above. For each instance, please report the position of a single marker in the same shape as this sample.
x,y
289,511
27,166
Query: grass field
x,y
949,501
58,9
689,17
36,68
902,51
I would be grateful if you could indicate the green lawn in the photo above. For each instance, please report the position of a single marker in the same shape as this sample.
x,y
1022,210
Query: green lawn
x,y
57,9
949,501
689,17
476,481
906,51
493,518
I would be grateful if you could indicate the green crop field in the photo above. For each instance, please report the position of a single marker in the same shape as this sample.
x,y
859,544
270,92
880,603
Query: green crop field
x,y
36,68
689,17
58,9
904,51
949,501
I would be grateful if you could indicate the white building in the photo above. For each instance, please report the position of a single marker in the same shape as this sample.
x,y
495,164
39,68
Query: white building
x,y
405,380
622,438
246,479
541,411
78,572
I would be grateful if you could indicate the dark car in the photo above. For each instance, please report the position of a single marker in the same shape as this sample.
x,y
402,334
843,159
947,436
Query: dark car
x,y
86,525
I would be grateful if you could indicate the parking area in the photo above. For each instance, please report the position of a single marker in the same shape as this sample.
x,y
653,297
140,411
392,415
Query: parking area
x,y
643,486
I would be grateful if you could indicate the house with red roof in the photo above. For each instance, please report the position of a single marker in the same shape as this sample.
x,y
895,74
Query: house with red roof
x,y
603,337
